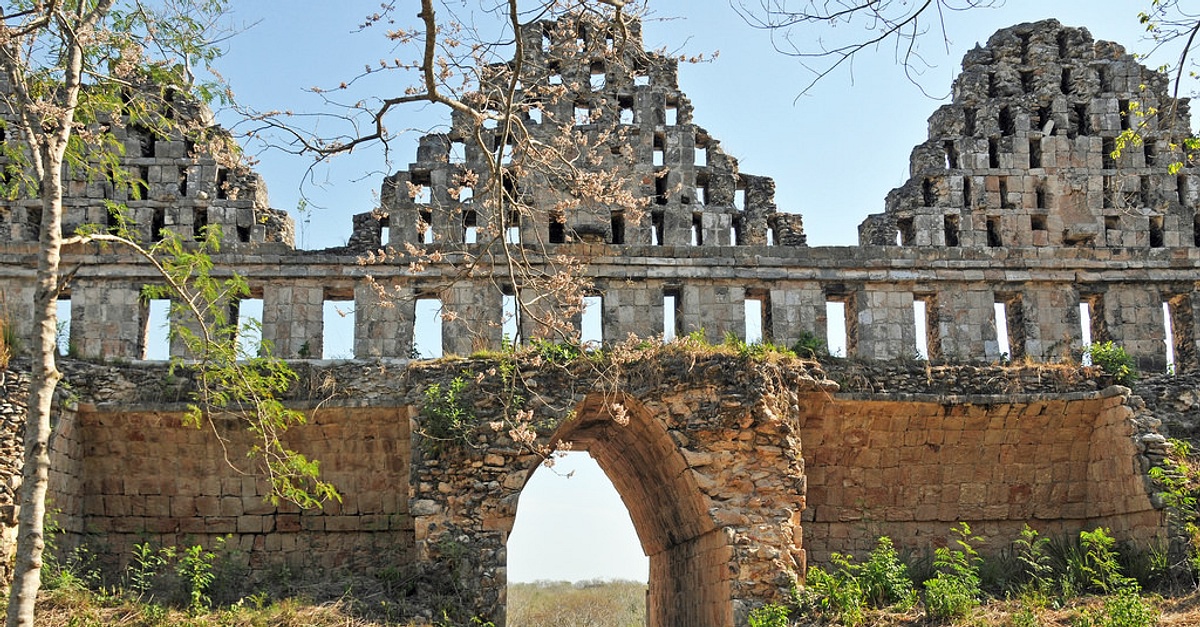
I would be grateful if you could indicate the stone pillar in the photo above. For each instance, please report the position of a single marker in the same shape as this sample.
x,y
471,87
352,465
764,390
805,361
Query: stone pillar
x,y
1052,328
293,319
885,324
1133,318
797,310
632,309
717,309
475,320
383,322
107,319
966,323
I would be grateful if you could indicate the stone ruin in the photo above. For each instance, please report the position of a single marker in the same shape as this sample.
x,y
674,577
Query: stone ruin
x,y
735,476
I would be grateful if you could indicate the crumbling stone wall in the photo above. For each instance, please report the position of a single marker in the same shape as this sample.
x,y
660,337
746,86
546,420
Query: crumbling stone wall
x,y
1034,153
1012,203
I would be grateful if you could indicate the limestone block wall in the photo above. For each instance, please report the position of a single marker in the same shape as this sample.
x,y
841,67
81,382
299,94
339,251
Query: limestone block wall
x,y
143,476
912,467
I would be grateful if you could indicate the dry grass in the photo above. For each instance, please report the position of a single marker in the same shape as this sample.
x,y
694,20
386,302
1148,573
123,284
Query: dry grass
x,y
562,604
609,604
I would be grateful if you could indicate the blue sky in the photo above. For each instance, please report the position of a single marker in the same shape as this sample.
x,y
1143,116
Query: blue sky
x,y
834,153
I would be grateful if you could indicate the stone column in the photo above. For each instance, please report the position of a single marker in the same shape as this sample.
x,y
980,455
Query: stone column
x,y
293,318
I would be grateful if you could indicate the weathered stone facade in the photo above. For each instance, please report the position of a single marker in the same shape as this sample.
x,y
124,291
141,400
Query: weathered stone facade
x,y
734,472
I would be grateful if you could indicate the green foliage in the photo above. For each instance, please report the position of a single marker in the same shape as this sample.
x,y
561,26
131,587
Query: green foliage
x,y
1179,481
1100,562
884,578
809,346
1035,561
146,565
232,380
954,590
446,416
772,615
1124,608
195,569
754,350
1115,361
881,581
556,352
836,594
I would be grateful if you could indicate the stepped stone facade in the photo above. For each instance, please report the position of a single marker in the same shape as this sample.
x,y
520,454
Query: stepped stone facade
x,y
736,473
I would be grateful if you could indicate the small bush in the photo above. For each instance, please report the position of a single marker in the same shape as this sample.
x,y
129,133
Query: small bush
x,y
954,590
772,615
1115,361
838,595
884,578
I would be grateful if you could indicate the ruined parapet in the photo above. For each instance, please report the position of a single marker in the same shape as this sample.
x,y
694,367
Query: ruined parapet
x,y
618,120
1025,155
1056,141
182,180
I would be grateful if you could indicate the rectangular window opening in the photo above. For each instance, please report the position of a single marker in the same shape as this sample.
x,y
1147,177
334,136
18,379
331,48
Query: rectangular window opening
x,y
836,328
1003,345
583,115
661,193
510,318
969,114
1196,230
966,186
1008,123
385,234
1108,158
1124,113
158,222
1181,188
598,79
337,329
672,315
156,330
425,225
1156,231
697,230
535,114
700,155
1035,152
199,222
770,236
618,227
993,232
660,142
906,232
1037,223
1145,191
1150,153
427,329
470,227
1005,199
993,152
591,322
1085,331
1064,83
1083,121
921,328
757,317
671,114
458,152
641,80
950,230
249,313
928,193
1169,336
182,181
63,327
626,111
1109,193
925,319
1039,196
558,229
951,155
657,226
735,232
739,199
1112,230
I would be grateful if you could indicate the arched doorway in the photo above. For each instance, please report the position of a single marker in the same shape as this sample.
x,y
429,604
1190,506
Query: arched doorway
x,y
689,556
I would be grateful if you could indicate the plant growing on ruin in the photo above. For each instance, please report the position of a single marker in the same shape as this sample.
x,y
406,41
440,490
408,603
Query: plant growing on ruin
x,y
1179,480
771,615
446,416
955,589
74,71
1113,360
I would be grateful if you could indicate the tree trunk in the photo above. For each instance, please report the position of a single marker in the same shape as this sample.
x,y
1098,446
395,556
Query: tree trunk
x,y
35,474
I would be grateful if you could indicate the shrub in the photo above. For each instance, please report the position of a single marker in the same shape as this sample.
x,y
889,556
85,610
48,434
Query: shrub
x,y
954,590
884,578
1100,562
1115,361
446,415
773,615
836,594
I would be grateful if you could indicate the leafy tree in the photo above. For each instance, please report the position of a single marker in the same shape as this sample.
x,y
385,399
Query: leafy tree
x,y
72,71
